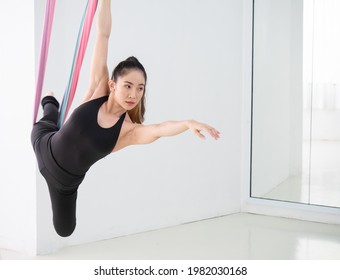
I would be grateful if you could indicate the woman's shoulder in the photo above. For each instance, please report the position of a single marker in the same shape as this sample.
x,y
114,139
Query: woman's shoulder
x,y
128,124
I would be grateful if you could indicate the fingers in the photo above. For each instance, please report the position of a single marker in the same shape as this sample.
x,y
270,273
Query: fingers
x,y
213,133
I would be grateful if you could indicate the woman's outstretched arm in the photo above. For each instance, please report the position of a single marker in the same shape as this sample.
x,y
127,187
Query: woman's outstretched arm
x,y
145,134
99,73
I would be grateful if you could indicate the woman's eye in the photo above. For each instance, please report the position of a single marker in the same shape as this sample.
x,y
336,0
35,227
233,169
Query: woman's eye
x,y
128,86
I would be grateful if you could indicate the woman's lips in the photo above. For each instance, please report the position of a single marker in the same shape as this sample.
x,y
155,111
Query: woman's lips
x,y
130,103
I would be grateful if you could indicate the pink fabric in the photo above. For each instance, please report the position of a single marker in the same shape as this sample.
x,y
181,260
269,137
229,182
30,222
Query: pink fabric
x,y
80,53
50,5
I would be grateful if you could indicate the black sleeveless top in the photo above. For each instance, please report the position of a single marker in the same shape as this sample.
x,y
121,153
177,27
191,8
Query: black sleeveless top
x,y
81,141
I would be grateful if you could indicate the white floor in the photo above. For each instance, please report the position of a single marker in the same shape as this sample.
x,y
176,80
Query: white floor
x,y
238,237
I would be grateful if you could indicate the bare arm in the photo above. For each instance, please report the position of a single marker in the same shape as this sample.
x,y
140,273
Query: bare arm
x,y
147,134
99,73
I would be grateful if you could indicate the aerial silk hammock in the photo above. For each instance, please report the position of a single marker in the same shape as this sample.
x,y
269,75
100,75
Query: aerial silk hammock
x,y
79,53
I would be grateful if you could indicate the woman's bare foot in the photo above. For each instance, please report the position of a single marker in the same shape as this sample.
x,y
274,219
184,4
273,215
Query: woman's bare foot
x,y
50,93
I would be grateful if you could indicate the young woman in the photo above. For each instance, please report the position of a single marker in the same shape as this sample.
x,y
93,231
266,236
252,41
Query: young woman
x,y
109,119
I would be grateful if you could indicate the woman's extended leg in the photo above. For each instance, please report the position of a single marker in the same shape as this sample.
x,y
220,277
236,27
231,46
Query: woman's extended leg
x,y
61,185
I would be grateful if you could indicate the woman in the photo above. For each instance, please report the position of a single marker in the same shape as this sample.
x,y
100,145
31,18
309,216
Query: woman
x,y
109,119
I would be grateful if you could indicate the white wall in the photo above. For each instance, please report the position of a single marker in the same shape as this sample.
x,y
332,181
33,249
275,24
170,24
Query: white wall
x,y
17,165
192,51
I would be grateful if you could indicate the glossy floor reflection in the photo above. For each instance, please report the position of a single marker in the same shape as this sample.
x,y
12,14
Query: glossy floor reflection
x,y
237,236
319,183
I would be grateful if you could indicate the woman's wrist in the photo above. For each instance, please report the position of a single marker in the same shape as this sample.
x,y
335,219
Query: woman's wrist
x,y
188,123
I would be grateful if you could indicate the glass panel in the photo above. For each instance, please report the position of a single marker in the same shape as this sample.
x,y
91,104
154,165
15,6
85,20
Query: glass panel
x,y
325,149
280,160
296,101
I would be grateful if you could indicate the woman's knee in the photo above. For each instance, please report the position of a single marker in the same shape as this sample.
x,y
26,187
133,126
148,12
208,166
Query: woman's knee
x,y
63,227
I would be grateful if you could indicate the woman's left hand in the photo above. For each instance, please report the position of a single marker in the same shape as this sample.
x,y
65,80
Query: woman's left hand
x,y
197,128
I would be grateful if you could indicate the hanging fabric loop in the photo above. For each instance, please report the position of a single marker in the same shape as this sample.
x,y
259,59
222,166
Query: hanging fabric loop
x,y
49,13
79,53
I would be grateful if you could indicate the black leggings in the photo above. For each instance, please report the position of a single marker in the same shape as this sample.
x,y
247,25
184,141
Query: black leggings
x,y
62,185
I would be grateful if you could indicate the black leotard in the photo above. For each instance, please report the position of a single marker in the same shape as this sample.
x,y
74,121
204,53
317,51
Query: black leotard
x,y
81,141
65,155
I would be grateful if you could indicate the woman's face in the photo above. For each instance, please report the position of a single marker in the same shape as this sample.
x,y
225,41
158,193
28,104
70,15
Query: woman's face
x,y
129,89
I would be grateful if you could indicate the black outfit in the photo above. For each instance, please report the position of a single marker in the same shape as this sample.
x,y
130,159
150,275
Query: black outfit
x,y
65,155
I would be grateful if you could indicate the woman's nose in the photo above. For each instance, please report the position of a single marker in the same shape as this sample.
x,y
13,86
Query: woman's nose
x,y
132,94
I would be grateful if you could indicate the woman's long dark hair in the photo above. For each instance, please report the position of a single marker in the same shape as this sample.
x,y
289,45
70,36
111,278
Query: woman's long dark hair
x,y
132,63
